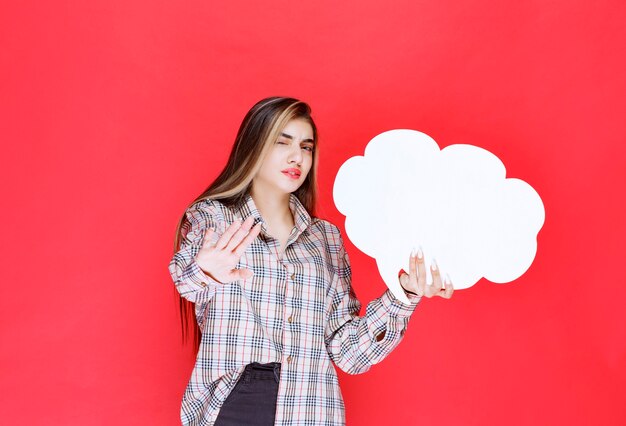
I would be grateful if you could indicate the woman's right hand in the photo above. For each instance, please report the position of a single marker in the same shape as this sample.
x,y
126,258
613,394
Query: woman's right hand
x,y
218,260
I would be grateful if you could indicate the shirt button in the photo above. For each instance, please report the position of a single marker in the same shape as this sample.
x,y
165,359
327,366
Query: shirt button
x,y
293,276
290,319
203,284
289,359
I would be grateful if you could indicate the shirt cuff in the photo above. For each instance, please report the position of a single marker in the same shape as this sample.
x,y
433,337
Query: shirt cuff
x,y
396,307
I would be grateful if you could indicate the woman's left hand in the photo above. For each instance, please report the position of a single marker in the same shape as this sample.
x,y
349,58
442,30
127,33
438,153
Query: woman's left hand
x,y
415,280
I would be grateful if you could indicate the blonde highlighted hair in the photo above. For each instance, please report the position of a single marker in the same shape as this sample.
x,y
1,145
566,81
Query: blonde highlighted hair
x,y
259,130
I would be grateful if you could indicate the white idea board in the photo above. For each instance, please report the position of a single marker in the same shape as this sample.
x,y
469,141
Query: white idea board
x,y
456,203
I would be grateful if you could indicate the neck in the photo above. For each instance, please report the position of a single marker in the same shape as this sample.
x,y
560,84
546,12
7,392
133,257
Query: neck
x,y
274,209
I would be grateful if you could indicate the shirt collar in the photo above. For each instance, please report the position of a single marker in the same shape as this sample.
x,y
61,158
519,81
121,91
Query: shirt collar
x,y
301,216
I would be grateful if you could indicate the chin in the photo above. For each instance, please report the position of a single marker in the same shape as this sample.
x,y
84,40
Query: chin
x,y
293,189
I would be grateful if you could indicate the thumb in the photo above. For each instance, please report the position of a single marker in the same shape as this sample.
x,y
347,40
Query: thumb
x,y
404,280
245,273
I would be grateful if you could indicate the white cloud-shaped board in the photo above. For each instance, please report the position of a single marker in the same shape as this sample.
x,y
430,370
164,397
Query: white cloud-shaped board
x,y
456,203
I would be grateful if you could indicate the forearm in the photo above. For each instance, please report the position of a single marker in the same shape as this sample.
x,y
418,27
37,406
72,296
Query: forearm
x,y
364,341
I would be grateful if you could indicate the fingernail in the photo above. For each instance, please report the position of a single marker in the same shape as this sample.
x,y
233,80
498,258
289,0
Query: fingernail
x,y
420,253
434,265
413,252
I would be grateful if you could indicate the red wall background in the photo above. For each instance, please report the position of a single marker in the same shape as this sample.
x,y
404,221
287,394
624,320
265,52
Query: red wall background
x,y
116,114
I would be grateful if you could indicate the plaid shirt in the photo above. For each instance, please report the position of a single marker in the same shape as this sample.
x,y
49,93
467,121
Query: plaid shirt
x,y
299,310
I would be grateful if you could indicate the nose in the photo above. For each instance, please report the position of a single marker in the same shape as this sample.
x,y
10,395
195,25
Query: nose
x,y
295,154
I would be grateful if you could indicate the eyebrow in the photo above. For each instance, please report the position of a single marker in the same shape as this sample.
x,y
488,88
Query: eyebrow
x,y
285,135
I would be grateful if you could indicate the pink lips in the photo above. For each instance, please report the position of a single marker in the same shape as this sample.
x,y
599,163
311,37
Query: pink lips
x,y
292,173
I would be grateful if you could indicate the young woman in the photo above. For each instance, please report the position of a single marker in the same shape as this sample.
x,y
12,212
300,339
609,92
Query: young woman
x,y
270,285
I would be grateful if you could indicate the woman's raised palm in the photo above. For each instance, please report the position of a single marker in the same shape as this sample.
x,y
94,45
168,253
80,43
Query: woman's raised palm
x,y
219,260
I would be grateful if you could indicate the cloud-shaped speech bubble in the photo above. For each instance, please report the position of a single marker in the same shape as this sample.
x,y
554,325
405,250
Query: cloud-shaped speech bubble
x,y
456,203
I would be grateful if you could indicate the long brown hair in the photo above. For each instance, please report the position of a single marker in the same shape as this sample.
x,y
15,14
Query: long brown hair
x,y
259,130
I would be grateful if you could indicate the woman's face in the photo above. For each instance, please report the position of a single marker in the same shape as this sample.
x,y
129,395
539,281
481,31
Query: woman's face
x,y
289,160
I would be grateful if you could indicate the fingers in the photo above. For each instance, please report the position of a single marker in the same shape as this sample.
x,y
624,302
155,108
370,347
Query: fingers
x,y
235,233
413,273
449,288
437,287
417,278
227,235
417,272
241,248
240,233
437,284
421,272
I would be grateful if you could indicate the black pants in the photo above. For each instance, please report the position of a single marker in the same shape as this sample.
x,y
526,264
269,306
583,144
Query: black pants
x,y
253,400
